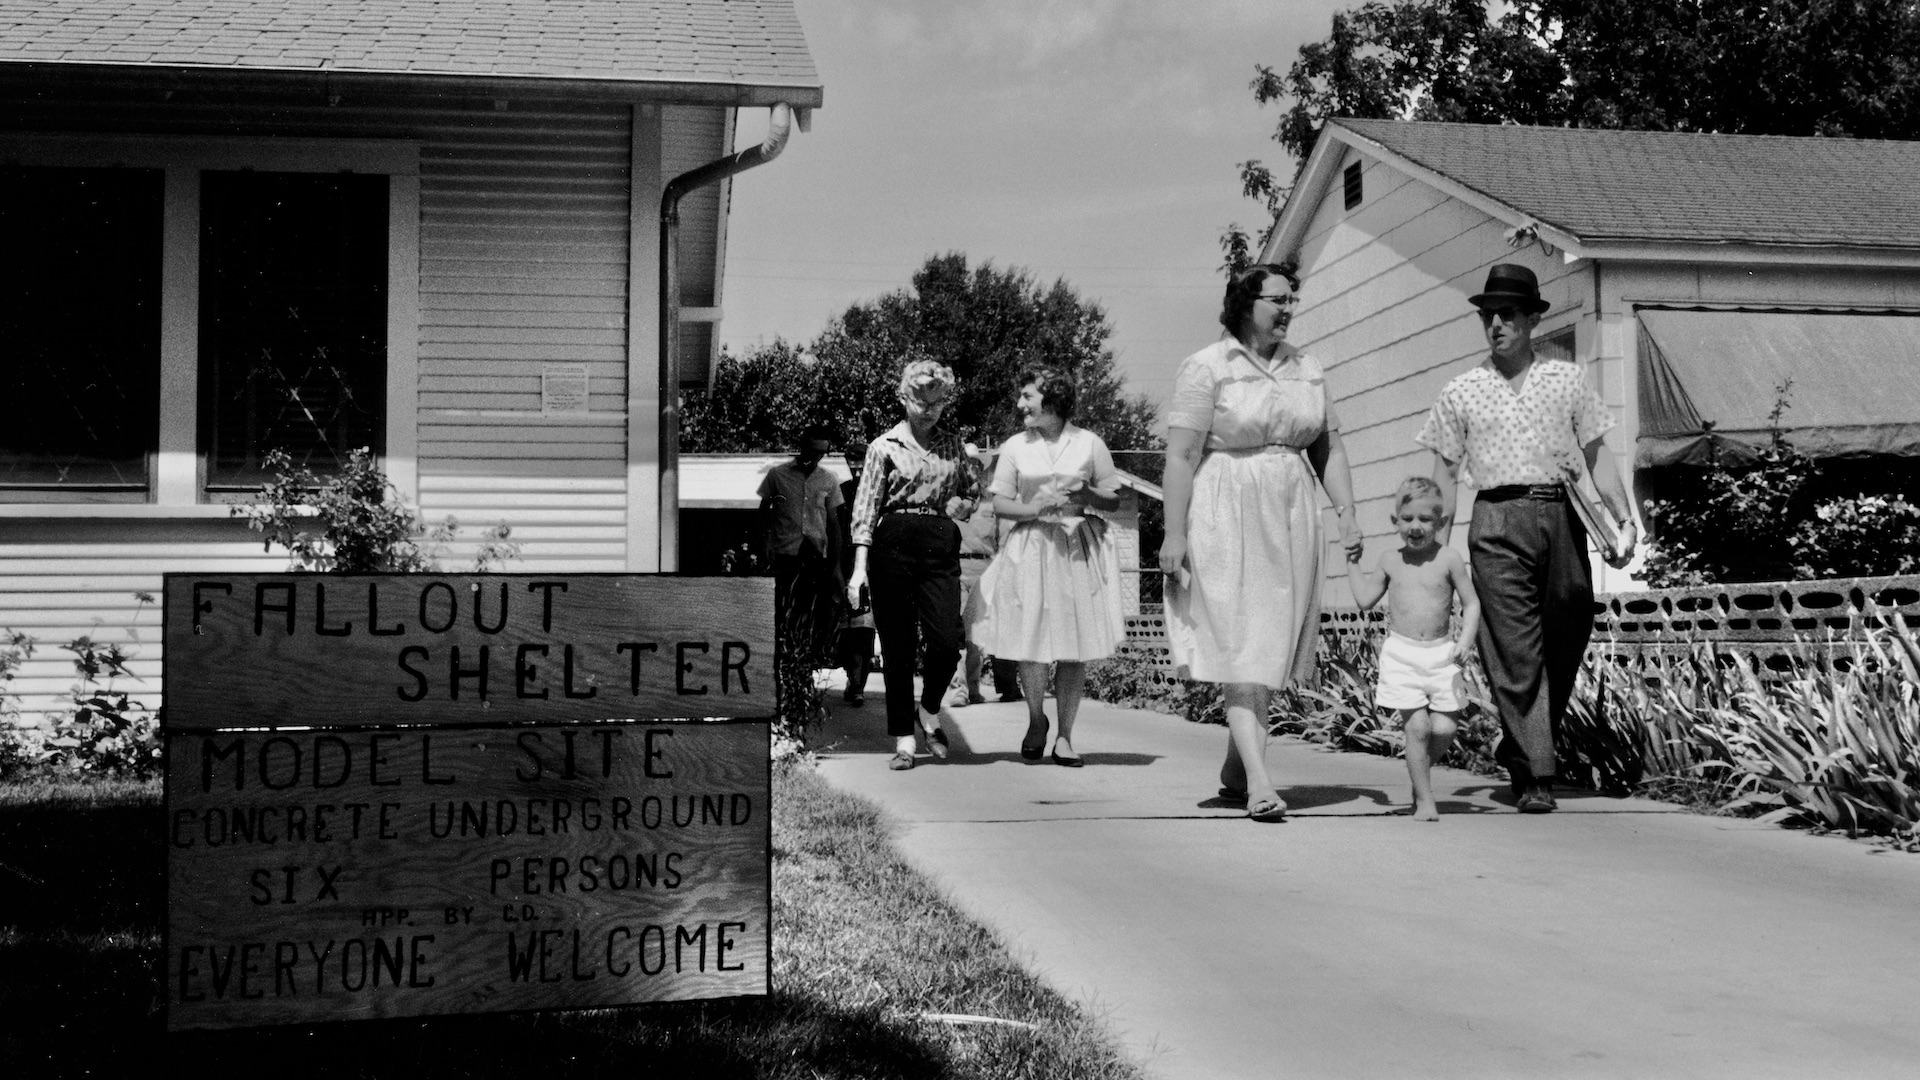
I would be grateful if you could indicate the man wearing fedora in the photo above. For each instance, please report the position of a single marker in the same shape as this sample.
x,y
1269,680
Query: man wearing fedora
x,y
1510,427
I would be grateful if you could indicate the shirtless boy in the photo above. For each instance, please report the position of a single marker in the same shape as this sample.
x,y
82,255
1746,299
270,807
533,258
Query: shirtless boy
x,y
1420,659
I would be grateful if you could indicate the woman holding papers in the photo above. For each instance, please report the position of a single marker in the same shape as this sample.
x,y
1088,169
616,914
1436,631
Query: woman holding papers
x,y
1052,594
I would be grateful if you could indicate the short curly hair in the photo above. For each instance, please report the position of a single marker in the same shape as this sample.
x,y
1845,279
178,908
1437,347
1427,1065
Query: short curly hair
x,y
920,378
1058,394
1415,487
1245,287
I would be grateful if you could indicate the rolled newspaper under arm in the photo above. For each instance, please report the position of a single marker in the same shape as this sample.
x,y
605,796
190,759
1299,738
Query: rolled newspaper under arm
x,y
1594,515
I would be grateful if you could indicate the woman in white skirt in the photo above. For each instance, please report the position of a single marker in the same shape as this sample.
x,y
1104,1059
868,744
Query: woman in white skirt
x,y
1052,594
1249,431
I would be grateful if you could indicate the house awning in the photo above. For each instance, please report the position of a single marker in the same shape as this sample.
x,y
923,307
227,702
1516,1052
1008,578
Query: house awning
x,y
732,481
1855,383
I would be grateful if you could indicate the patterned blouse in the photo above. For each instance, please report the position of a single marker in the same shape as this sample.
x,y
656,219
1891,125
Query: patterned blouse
x,y
1502,437
901,474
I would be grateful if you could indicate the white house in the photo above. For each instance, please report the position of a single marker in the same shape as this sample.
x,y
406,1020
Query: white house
x,y
431,229
1690,274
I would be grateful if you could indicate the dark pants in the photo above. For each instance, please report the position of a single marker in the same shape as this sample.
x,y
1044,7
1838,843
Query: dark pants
x,y
807,601
913,570
1536,613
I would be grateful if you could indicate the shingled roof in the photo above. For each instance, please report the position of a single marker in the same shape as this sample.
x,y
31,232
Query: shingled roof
x,y
1667,187
731,42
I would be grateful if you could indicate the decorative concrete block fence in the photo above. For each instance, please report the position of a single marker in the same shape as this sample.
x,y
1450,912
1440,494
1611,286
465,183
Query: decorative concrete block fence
x,y
1780,623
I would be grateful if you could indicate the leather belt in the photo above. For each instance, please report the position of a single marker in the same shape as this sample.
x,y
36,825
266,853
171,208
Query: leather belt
x,y
917,511
1537,492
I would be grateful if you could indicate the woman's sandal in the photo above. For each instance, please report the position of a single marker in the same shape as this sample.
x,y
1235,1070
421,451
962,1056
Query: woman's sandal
x,y
1267,808
1034,746
901,761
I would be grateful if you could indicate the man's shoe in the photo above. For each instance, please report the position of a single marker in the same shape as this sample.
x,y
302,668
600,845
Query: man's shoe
x,y
1539,799
1519,779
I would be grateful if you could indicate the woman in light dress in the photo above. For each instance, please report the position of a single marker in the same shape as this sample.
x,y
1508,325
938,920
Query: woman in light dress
x,y
1249,430
1052,594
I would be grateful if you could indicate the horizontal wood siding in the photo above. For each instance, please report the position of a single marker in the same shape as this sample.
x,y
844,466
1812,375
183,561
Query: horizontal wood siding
x,y
66,579
523,263
1384,308
524,213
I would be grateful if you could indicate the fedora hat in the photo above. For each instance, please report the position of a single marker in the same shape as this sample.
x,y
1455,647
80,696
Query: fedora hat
x,y
1511,284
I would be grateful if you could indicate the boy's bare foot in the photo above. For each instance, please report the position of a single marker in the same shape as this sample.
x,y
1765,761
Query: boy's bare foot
x,y
1426,812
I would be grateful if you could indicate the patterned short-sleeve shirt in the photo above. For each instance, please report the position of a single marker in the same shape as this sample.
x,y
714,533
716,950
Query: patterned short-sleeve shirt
x,y
901,474
1501,437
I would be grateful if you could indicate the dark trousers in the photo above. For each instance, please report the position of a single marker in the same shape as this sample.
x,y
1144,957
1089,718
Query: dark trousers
x,y
807,601
1536,613
913,570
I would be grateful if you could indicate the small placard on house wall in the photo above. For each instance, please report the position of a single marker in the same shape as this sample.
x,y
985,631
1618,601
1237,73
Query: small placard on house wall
x,y
563,389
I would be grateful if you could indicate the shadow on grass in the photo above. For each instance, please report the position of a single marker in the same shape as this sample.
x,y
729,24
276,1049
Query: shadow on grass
x,y
81,993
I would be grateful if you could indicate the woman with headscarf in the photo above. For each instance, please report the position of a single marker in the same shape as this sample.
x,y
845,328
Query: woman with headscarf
x,y
1249,431
906,548
1052,594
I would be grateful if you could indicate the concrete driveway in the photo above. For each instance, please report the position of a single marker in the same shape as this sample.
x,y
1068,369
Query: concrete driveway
x,y
1615,938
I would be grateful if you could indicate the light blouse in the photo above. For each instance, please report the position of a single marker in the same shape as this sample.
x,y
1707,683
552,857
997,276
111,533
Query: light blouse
x,y
1238,403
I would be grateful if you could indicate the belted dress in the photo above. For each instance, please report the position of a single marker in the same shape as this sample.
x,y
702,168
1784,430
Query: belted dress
x,y
1251,611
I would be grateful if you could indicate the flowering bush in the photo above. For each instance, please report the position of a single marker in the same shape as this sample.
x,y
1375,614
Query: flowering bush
x,y
1864,536
1733,523
1782,517
354,522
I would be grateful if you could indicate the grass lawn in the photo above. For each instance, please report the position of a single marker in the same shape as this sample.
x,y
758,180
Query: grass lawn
x,y
863,951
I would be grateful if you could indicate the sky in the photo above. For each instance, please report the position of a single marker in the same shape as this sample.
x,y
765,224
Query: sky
x,y
1092,140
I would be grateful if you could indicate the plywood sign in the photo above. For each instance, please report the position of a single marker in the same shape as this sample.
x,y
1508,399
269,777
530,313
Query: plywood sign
x,y
339,875
307,650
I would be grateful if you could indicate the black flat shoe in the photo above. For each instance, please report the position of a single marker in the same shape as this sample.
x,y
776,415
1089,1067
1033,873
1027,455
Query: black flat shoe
x,y
1034,746
1068,762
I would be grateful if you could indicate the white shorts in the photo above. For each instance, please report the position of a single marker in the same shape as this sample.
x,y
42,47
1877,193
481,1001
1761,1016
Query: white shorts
x,y
1419,675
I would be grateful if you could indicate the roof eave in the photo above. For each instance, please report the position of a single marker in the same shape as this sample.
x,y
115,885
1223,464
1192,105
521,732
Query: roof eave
x,y
48,75
1642,250
1290,229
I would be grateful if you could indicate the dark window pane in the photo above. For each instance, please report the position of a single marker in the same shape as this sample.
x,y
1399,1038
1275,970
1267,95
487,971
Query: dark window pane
x,y
293,320
79,327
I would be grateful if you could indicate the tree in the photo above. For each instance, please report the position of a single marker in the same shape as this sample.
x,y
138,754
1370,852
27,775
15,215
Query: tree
x,y
985,322
1752,67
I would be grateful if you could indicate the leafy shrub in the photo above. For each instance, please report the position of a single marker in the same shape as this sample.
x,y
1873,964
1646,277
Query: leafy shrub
x,y
1733,523
1783,516
1863,536
355,522
107,734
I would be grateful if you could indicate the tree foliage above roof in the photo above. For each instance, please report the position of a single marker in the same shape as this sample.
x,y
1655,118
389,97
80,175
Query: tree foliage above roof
x,y
984,322
1847,68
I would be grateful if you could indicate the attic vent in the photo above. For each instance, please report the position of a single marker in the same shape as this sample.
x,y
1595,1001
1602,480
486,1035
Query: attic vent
x,y
1352,177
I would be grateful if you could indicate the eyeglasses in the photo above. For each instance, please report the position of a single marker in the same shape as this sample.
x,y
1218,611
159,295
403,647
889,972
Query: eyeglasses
x,y
1285,300
1505,315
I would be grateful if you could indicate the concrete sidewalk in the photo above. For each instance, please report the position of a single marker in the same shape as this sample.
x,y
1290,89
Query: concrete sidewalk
x,y
1616,938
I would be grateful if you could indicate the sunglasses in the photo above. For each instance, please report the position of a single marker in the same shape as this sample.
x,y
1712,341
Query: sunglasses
x,y
1505,315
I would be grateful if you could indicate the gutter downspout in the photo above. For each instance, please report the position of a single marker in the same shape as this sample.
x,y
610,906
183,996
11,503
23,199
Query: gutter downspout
x,y
711,173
